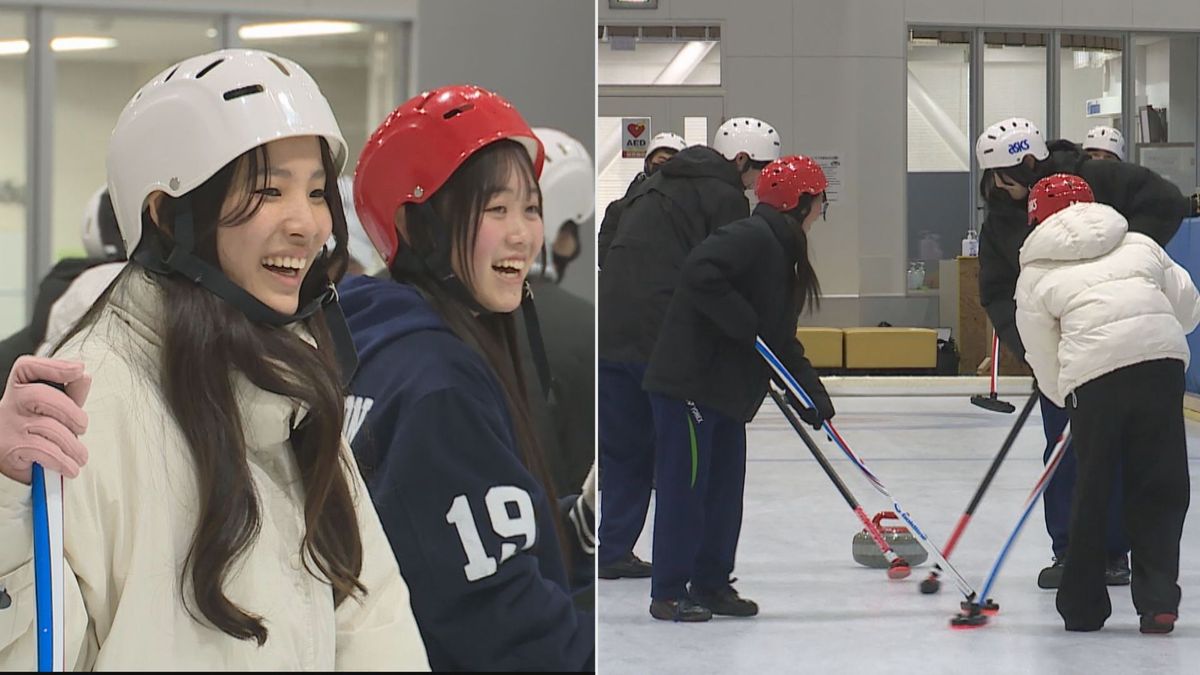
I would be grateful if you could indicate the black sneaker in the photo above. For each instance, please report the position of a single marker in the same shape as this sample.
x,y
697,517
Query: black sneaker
x,y
1158,622
726,602
629,567
1117,572
1051,577
684,609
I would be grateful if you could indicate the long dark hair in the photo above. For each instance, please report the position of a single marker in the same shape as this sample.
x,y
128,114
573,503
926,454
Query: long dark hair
x,y
205,340
459,205
808,287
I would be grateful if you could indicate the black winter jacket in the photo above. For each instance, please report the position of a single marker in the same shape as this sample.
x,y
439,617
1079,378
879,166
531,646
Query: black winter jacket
x,y
1151,204
738,284
694,193
29,338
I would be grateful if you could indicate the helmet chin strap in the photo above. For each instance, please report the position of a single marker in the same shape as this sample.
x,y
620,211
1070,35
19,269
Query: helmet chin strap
x,y
181,260
435,264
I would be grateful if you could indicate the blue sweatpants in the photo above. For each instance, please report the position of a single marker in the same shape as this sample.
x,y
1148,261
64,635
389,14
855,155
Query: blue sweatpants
x,y
701,474
1059,493
626,431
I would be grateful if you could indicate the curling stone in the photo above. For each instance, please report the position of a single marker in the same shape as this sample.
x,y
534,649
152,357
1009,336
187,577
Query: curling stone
x,y
898,537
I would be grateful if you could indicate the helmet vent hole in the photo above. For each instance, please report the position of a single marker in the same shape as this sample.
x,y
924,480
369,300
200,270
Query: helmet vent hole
x,y
279,66
209,67
458,111
243,91
171,74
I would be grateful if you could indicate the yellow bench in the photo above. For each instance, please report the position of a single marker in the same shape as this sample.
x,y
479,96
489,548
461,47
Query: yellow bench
x,y
822,346
890,347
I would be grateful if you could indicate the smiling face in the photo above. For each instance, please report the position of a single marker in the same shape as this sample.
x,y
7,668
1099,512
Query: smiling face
x,y
270,253
507,241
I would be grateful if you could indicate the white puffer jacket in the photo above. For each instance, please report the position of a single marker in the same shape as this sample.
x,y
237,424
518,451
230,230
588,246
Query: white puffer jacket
x,y
1093,297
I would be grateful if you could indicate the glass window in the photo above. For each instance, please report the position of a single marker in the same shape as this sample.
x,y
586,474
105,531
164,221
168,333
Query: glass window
x,y
938,149
354,63
659,55
1165,104
1014,77
1089,79
14,186
95,78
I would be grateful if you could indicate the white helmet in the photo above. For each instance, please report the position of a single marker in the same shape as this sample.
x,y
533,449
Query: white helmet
x,y
752,136
567,182
666,141
101,236
1106,138
1006,143
202,113
362,251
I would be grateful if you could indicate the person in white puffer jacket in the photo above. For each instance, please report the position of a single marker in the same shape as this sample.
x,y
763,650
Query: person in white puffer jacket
x,y
1104,314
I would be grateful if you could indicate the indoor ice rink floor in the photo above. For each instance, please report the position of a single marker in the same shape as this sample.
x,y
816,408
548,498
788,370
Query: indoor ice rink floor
x,y
820,612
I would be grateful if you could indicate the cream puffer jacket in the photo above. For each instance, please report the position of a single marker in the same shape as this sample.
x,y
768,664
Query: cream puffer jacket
x,y
1093,297
130,517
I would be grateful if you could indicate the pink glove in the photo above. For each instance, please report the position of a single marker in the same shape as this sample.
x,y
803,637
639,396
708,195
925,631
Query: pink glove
x,y
39,423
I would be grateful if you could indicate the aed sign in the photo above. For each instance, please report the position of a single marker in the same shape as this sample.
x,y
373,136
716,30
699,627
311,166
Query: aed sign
x,y
635,136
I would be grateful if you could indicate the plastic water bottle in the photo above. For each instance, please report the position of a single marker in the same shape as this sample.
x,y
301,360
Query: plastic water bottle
x,y
970,245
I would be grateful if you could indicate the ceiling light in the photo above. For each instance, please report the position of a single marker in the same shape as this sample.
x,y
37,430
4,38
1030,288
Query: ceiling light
x,y
12,47
287,29
79,44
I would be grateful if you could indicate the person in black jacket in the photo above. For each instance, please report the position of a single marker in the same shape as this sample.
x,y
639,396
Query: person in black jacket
x,y
706,380
102,243
698,190
1013,157
662,147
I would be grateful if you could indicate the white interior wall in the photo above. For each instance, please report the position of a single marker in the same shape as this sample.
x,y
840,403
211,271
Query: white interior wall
x,y
540,54
831,77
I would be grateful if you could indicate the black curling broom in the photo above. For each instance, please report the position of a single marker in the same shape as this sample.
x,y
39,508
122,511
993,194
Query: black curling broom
x,y
991,401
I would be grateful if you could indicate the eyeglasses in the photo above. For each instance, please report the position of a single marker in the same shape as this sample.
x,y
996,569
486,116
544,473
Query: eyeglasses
x,y
824,209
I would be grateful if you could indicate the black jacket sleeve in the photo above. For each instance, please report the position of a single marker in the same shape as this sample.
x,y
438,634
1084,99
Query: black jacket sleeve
x,y
708,280
997,286
801,368
1152,204
608,229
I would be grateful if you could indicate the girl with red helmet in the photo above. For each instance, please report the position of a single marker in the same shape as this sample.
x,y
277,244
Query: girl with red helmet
x,y
706,381
1103,313
447,190
221,522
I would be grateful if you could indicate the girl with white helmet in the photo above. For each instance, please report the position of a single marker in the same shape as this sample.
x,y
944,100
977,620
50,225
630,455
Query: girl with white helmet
x,y
221,522
1014,156
568,321
447,190
662,148
641,255
1104,142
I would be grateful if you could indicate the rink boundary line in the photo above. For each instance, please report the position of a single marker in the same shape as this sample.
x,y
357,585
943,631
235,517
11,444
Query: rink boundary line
x,y
928,385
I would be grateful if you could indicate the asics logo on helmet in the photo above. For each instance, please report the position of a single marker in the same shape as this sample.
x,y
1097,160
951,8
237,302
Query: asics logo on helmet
x,y
1019,146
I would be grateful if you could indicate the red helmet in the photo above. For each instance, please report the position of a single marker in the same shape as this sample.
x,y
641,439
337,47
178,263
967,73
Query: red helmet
x,y
783,181
1055,193
421,144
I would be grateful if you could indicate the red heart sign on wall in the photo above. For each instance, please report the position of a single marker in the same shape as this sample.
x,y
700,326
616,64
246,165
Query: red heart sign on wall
x,y
636,129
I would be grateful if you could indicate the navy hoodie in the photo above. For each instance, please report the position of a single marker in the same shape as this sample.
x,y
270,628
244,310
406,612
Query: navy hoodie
x,y
430,429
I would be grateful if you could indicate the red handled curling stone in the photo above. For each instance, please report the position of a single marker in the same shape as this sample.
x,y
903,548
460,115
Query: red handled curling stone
x,y
898,537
